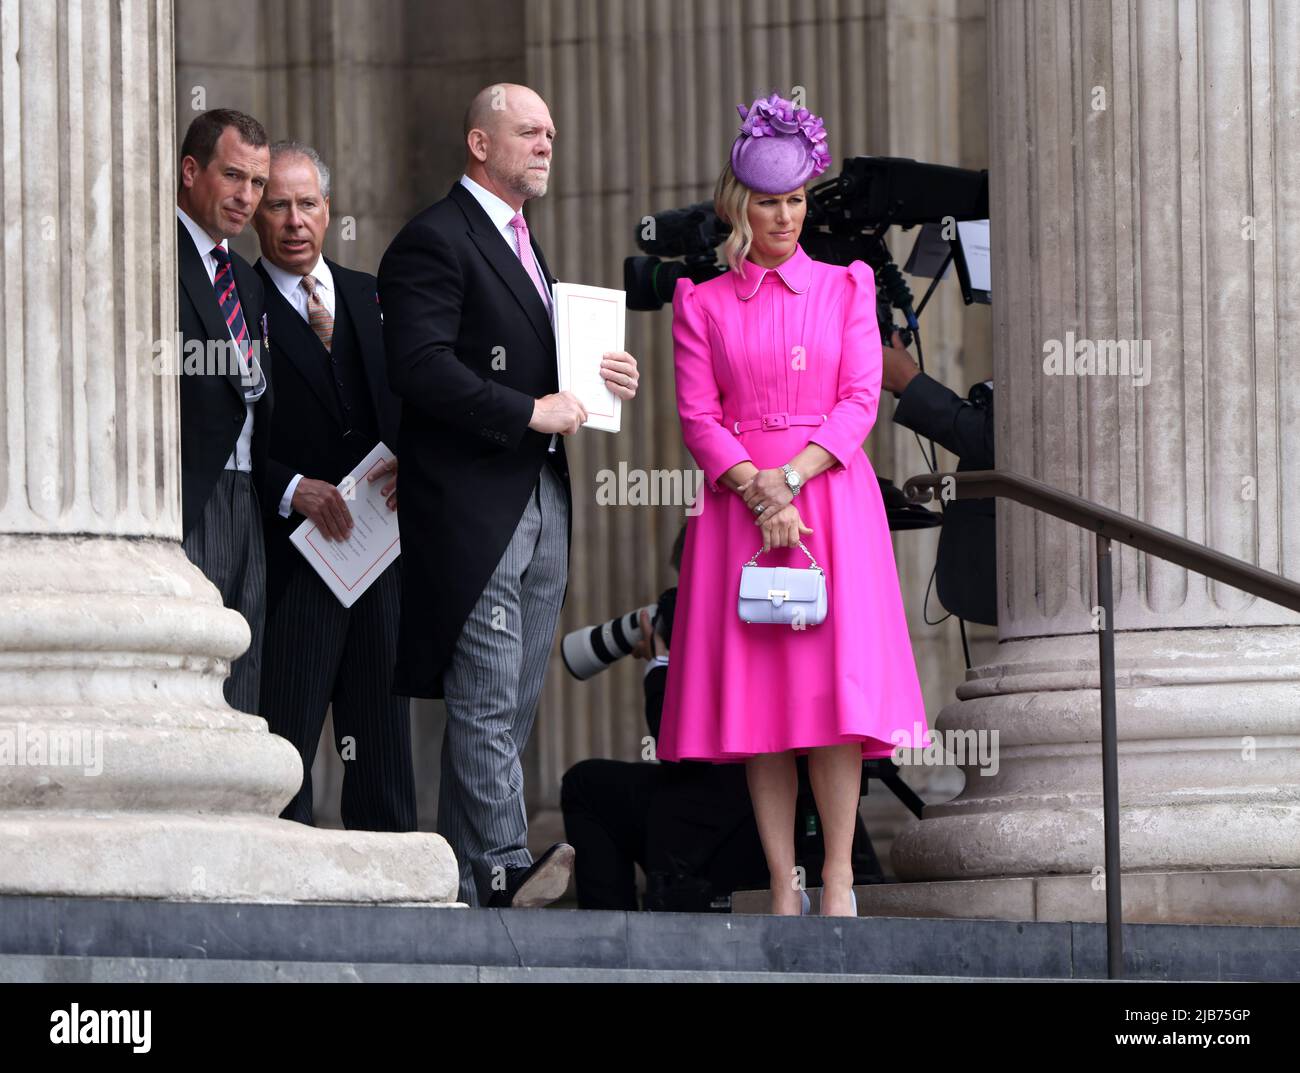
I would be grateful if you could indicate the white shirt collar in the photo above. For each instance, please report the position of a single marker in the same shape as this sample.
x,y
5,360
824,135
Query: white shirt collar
x,y
203,242
288,283
498,211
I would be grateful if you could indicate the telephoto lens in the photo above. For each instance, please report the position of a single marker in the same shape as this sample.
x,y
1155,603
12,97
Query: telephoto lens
x,y
589,650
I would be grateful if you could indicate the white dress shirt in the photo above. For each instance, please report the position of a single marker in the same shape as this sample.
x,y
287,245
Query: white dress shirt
x,y
290,285
241,458
501,214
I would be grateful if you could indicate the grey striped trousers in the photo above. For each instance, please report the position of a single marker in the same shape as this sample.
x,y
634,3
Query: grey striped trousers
x,y
226,545
492,686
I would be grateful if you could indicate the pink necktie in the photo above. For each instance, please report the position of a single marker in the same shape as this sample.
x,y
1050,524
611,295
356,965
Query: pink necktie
x,y
527,260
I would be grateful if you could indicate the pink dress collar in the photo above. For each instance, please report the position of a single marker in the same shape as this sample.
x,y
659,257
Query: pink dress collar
x,y
795,272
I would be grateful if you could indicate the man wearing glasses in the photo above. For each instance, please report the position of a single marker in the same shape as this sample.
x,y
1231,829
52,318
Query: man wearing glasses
x,y
225,387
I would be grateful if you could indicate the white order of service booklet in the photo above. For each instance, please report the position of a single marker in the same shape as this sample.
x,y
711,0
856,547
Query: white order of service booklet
x,y
589,322
349,567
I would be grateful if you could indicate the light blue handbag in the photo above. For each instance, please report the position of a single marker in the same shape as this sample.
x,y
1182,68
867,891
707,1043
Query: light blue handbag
x,y
789,596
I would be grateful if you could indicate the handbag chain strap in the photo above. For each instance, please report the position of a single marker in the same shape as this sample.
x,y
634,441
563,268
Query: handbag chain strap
x,y
802,547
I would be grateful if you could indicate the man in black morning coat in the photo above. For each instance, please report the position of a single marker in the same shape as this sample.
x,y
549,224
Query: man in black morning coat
x,y
225,366
485,501
332,407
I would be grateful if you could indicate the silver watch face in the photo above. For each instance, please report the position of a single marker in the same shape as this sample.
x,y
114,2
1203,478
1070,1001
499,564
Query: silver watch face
x,y
792,479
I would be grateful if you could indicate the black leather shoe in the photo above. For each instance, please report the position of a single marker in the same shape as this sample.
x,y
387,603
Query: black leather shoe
x,y
545,880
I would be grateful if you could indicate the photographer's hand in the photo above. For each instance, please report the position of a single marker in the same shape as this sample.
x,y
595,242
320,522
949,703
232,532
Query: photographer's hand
x,y
651,644
898,369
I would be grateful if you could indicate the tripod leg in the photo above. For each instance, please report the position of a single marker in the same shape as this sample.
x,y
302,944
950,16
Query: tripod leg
x,y
904,793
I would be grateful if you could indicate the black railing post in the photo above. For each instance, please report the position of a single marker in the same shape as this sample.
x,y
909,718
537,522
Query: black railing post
x,y
1109,763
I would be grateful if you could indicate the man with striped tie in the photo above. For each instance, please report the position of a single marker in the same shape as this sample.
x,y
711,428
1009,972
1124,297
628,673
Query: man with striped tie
x,y
225,385
332,405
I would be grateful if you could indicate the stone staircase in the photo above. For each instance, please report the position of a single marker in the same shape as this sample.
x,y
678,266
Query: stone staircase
x,y
84,939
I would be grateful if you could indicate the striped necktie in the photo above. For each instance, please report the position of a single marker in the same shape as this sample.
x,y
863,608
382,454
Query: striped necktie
x,y
223,282
318,316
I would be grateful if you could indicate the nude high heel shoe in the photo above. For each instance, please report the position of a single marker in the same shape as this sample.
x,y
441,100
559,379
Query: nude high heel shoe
x,y
853,898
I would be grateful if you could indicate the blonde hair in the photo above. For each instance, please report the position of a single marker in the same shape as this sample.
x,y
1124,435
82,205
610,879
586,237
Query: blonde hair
x,y
731,203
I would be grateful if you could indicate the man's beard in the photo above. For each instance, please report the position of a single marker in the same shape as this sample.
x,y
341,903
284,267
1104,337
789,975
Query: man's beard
x,y
534,187
528,184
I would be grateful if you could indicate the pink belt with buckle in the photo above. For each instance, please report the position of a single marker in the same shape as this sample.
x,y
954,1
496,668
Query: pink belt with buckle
x,y
771,422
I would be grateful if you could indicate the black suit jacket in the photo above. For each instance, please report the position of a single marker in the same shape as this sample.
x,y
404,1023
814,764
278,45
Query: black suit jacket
x,y
309,425
212,402
470,346
966,575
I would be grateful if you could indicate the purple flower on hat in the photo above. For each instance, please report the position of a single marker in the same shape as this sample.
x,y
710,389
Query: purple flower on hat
x,y
780,147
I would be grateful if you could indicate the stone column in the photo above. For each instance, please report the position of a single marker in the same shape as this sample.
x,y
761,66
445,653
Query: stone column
x,y
1146,188
123,772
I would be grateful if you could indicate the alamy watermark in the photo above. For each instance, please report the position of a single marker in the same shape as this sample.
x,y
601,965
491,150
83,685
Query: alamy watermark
x,y
629,487
120,1027
965,748
179,356
1098,357
23,745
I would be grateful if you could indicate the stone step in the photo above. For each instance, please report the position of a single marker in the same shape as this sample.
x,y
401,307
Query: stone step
x,y
476,940
1264,896
36,968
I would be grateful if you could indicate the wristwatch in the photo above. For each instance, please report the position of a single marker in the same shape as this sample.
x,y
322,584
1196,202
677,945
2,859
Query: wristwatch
x,y
792,479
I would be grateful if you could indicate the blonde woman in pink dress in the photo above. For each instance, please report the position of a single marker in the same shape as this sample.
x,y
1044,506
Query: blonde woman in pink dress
x,y
778,367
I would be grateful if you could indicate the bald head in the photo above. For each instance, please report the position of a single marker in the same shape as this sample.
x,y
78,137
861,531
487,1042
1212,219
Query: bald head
x,y
508,136
492,102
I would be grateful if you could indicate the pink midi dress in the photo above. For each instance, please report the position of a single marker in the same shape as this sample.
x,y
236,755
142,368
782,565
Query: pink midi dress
x,y
798,341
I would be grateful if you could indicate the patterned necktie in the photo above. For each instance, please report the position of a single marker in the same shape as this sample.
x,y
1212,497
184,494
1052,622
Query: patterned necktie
x,y
320,318
527,260
223,282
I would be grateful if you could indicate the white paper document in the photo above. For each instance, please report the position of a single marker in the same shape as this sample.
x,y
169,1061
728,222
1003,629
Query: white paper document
x,y
589,323
350,566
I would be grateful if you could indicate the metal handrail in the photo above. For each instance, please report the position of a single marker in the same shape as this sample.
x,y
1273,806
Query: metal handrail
x,y
1108,525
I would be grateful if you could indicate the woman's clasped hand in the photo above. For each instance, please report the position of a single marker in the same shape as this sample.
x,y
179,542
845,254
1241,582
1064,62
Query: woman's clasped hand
x,y
769,499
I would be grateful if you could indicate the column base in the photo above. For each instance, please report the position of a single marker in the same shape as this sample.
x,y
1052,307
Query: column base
x,y
220,858
1209,759
123,771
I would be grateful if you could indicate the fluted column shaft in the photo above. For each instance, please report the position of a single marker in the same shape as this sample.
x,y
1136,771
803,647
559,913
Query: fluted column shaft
x,y
86,424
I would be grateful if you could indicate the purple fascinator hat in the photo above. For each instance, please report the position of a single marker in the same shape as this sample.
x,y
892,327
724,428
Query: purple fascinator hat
x,y
780,147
